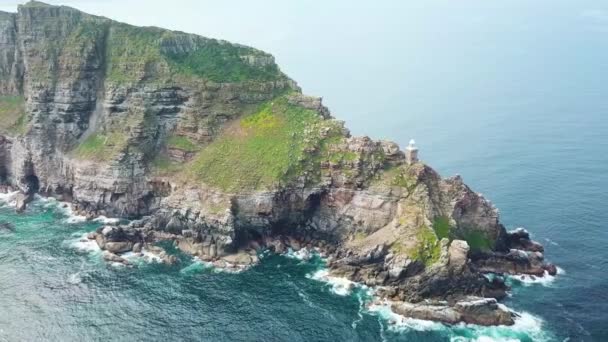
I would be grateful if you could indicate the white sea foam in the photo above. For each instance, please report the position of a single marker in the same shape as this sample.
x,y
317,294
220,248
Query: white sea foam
x,y
401,323
528,280
83,244
303,254
106,220
551,242
526,327
339,286
71,217
145,256
8,198
196,266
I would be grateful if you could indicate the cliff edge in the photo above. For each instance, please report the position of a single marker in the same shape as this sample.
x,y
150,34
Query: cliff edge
x,y
207,143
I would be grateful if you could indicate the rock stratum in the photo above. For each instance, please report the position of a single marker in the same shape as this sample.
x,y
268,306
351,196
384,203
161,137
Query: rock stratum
x,y
208,144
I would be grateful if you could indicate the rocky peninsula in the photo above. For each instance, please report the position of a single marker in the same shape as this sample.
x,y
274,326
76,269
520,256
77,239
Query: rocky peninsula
x,y
209,145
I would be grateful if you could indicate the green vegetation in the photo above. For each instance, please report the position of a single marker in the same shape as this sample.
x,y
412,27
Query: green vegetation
x,y
181,143
143,53
162,165
261,150
12,114
222,62
477,240
396,176
441,226
33,4
360,236
398,248
133,54
100,147
428,249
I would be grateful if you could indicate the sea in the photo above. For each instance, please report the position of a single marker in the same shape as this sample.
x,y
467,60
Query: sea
x,y
510,96
550,177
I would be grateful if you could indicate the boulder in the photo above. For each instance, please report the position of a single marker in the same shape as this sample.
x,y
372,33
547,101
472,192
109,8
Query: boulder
x,y
240,258
484,311
458,255
118,247
101,241
111,257
473,310
6,227
22,200
438,311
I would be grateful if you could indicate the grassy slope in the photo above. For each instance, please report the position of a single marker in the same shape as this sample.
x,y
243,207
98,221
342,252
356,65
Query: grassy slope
x,y
100,147
262,150
12,114
136,53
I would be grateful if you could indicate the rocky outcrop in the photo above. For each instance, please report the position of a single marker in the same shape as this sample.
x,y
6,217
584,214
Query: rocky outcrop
x,y
207,144
523,256
473,310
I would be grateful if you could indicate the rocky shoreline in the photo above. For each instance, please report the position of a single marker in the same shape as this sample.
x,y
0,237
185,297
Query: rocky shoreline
x,y
210,146
455,290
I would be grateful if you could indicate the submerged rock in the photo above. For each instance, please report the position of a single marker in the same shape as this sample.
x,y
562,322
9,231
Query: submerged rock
x,y
6,227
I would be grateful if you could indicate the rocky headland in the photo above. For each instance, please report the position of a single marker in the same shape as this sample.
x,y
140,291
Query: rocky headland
x,y
209,145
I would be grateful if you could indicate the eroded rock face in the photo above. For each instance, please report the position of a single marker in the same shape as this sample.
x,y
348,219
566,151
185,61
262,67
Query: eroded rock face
x,y
118,133
482,311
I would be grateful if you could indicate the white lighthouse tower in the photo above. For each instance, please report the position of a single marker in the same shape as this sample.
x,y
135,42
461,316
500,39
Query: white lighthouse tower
x,y
411,153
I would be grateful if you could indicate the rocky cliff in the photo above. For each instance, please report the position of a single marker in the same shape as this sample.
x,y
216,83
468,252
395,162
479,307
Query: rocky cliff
x,y
209,144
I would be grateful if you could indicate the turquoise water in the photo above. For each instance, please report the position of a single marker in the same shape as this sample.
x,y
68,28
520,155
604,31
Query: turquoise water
x,y
54,287
546,169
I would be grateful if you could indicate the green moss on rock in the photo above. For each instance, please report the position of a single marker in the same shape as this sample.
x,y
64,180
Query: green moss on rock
x,y
133,54
441,226
100,147
223,62
477,240
261,150
12,114
182,143
164,166
428,249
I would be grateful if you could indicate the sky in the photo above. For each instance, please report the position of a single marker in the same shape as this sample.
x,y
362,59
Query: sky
x,y
395,68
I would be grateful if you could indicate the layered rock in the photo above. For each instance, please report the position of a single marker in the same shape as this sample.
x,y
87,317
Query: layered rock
x,y
209,145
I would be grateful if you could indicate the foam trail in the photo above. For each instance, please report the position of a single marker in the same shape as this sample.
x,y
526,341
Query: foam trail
x,y
527,280
526,327
9,198
339,286
83,244
196,267
106,220
303,254
145,256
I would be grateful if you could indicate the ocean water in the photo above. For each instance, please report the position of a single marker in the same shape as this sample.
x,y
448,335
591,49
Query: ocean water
x,y
545,167
512,96
54,286
546,170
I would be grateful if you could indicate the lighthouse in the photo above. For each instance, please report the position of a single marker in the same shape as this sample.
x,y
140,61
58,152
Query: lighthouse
x,y
411,153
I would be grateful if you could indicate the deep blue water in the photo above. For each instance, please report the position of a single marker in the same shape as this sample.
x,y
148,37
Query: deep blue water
x,y
54,287
541,158
545,168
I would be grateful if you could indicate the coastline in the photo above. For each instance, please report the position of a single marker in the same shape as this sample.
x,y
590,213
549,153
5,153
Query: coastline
x,y
291,248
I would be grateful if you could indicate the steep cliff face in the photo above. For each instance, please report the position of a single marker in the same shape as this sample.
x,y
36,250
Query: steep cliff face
x,y
215,146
